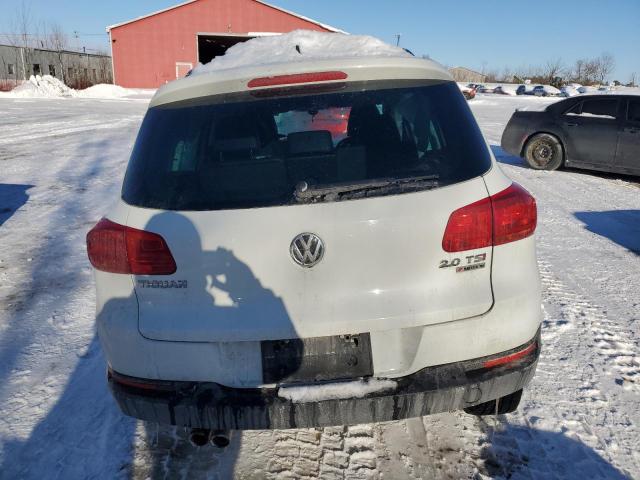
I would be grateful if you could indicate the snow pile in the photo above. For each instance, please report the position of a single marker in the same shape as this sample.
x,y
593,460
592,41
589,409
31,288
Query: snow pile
x,y
47,86
103,90
299,46
42,87
336,391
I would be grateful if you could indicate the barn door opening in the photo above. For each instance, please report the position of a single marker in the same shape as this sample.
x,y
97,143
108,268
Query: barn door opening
x,y
212,46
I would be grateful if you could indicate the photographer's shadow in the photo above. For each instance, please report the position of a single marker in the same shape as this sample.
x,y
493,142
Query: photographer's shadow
x,y
224,295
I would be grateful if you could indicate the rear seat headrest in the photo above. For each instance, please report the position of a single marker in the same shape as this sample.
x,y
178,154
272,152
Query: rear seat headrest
x,y
315,141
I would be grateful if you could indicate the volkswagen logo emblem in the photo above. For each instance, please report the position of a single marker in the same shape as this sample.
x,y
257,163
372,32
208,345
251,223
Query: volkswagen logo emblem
x,y
307,249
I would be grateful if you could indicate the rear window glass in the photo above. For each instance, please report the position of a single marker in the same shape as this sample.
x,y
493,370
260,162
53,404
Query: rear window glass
x,y
240,151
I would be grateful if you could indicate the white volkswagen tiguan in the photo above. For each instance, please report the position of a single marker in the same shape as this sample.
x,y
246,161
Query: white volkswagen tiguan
x,y
315,243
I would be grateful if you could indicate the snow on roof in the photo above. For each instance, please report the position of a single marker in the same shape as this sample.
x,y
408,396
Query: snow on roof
x,y
300,46
288,12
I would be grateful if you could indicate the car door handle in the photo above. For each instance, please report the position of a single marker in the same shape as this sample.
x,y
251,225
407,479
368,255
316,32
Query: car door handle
x,y
571,124
632,130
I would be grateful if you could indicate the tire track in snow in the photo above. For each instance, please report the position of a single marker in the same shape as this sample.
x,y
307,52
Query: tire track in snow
x,y
47,130
607,337
587,408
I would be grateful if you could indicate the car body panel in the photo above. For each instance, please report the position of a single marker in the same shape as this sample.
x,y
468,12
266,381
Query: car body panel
x,y
628,150
357,69
590,140
381,267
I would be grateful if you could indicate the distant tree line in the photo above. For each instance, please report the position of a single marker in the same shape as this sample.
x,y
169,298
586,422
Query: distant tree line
x,y
586,71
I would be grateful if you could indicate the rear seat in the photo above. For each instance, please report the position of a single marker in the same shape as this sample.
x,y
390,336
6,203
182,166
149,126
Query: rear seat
x,y
311,157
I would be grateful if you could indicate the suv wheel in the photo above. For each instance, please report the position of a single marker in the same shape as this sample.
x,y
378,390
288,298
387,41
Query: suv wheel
x,y
544,152
507,404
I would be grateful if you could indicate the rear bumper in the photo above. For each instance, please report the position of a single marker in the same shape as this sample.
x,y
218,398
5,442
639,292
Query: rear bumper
x,y
432,390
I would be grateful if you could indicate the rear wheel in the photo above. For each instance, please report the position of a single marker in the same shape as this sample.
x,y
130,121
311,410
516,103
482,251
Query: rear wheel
x,y
544,152
507,404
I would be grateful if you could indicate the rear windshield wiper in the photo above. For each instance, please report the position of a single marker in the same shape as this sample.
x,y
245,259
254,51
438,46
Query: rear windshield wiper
x,y
306,194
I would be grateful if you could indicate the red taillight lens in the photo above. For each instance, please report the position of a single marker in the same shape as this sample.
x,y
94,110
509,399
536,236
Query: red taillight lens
x,y
296,78
469,227
115,248
515,215
505,217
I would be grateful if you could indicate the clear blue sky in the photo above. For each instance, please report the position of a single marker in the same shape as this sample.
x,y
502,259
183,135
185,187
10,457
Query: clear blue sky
x,y
490,33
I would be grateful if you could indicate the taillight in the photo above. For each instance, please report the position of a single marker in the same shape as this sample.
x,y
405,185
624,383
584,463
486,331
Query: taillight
x,y
515,215
505,217
115,248
296,78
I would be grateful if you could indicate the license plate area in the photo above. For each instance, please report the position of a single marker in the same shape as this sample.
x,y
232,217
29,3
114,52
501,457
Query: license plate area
x,y
316,359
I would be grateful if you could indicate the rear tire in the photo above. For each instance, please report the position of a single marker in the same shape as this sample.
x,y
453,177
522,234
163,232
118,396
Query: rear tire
x,y
507,404
544,152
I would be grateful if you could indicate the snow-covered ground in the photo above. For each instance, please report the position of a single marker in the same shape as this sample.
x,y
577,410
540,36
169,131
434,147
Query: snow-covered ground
x,y
61,164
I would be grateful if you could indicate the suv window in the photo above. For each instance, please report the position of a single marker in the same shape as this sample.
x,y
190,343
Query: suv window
x,y
606,108
243,151
633,112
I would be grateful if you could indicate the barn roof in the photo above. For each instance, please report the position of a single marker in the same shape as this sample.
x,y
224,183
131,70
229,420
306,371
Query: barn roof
x,y
323,25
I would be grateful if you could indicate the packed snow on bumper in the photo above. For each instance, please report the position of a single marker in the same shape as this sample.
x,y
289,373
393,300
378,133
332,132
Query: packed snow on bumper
x,y
62,165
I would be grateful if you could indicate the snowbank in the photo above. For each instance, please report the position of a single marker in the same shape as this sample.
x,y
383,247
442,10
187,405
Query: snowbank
x,y
298,46
336,391
103,90
41,87
47,86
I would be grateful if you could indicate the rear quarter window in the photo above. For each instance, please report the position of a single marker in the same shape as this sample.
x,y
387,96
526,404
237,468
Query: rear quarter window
x,y
605,108
633,111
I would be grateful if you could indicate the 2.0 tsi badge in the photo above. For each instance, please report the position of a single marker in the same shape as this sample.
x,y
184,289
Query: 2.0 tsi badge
x,y
307,249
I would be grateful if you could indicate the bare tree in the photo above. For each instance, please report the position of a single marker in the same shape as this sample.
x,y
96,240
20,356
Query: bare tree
x,y
21,25
507,75
578,70
58,41
553,69
632,79
606,63
591,71
104,67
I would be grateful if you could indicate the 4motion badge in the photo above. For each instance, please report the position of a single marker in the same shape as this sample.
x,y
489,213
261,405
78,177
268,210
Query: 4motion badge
x,y
162,283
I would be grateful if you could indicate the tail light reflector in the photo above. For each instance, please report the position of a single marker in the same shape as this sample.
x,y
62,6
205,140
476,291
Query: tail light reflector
x,y
505,217
496,362
139,383
296,78
115,248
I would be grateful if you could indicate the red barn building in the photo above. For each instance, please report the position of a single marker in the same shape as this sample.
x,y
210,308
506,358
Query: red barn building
x,y
154,49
